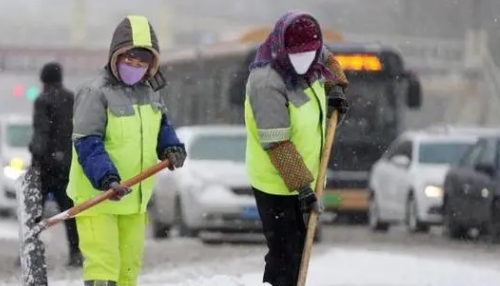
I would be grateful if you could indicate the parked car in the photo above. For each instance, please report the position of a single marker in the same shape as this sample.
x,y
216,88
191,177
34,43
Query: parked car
x,y
211,192
472,191
15,135
405,184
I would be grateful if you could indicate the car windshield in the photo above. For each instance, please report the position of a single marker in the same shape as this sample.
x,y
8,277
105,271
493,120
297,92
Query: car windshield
x,y
219,148
19,135
441,152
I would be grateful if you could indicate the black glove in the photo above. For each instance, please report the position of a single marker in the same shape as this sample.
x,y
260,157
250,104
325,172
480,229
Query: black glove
x,y
176,155
120,191
112,182
308,201
336,101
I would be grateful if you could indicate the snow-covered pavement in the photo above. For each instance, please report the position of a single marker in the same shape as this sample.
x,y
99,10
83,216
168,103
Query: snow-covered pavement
x,y
336,267
349,256
9,230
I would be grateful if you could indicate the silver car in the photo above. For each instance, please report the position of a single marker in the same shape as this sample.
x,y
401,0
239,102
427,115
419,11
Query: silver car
x,y
211,192
15,135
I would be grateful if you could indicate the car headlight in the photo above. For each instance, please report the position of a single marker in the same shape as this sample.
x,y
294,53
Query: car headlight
x,y
14,169
433,191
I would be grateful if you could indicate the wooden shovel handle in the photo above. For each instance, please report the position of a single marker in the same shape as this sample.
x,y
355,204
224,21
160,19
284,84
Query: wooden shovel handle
x,y
103,196
320,186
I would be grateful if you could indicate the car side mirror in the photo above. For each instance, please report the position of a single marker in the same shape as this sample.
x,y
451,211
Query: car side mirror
x,y
485,168
401,160
414,92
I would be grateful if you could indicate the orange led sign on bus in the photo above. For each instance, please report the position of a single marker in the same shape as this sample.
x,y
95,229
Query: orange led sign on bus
x,y
359,62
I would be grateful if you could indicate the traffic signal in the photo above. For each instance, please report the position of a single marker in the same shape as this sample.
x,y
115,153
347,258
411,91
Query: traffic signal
x,y
30,93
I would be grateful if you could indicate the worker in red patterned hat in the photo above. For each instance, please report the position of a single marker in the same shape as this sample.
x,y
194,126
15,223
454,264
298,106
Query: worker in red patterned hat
x,y
291,91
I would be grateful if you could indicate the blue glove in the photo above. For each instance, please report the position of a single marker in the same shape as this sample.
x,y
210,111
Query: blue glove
x,y
176,155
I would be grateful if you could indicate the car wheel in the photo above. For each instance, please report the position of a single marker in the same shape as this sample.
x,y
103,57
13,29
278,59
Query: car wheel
x,y
318,234
374,221
452,229
413,223
212,241
6,213
180,223
494,223
159,229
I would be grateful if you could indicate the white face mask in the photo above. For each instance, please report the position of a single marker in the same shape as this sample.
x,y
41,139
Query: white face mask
x,y
302,61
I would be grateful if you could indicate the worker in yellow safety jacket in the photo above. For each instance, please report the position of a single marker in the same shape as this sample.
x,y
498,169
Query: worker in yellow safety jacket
x,y
120,129
294,85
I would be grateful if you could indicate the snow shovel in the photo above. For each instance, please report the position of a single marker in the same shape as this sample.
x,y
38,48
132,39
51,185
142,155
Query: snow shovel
x,y
320,185
32,252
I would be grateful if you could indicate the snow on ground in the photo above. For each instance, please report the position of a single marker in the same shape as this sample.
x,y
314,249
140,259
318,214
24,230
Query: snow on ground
x,y
9,230
341,267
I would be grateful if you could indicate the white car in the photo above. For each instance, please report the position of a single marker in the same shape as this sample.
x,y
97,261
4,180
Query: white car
x,y
405,184
211,192
15,135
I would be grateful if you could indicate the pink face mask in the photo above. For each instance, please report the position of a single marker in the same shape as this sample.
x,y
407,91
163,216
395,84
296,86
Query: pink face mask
x,y
131,75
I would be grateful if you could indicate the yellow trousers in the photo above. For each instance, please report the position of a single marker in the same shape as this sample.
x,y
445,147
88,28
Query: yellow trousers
x,y
112,246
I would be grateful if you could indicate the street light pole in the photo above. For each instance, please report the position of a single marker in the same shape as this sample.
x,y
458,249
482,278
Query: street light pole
x,y
78,29
165,31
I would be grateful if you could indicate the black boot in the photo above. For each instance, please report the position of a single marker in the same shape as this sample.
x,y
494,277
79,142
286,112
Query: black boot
x,y
75,259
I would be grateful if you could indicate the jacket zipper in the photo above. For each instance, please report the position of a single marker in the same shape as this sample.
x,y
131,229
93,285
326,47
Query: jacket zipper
x,y
142,147
320,119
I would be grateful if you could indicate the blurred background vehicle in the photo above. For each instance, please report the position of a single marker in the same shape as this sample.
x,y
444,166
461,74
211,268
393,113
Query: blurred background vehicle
x,y
211,191
15,135
472,191
406,183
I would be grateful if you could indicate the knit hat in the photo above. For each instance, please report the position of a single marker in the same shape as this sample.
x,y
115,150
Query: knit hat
x,y
303,35
141,54
51,73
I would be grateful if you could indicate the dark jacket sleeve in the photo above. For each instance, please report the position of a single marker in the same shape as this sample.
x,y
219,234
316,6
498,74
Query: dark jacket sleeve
x,y
89,125
39,144
95,161
167,136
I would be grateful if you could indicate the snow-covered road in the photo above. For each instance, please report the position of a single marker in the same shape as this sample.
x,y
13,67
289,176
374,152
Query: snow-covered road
x,y
349,256
8,230
337,267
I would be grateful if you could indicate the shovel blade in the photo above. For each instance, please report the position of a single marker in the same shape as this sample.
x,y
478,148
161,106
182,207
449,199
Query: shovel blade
x,y
32,249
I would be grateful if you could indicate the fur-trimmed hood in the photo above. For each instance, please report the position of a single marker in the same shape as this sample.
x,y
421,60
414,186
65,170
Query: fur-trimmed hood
x,y
134,32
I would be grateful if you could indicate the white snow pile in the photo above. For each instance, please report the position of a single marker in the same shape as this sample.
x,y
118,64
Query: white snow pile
x,y
342,267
